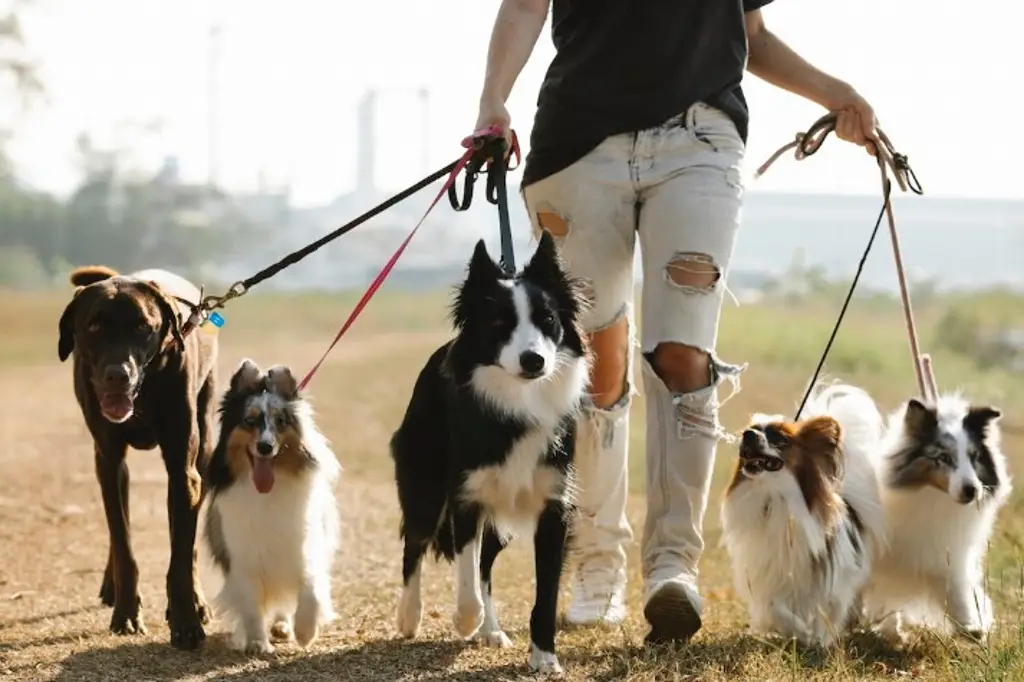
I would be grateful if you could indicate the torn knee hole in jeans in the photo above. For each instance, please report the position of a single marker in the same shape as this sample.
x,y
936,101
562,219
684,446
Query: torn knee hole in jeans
x,y
609,373
697,411
694,273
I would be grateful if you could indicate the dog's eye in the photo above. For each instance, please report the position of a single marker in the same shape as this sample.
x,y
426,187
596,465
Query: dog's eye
x,y
252,420
776,438
93,328
144,328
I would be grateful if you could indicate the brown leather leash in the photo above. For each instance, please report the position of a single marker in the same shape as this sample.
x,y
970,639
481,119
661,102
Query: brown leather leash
x,y
890,162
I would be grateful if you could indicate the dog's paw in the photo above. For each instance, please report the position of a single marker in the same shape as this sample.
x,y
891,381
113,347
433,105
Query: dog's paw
x,y
127,621
495,640
545,663
468,618
281,631
305,633
257,647
976,633
410,613
186,625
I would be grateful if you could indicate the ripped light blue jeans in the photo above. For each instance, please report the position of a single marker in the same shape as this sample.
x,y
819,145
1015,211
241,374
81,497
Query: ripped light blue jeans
x,y
676,188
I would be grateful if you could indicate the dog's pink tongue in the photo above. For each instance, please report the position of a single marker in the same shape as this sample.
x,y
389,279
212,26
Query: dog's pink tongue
x,y
263,473
116,405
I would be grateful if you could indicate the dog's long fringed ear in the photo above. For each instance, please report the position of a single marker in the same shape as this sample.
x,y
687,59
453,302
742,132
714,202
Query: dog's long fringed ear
x,y
979,417
282,382
247,377
66,341
821,438
918,417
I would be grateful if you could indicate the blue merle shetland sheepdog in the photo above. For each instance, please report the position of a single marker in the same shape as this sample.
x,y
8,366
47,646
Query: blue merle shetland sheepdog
x,y
271,527
485,449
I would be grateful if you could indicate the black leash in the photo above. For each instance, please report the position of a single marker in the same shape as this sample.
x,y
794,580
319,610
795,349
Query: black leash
x,y
208,304
296,256
846,304
484,149
492,152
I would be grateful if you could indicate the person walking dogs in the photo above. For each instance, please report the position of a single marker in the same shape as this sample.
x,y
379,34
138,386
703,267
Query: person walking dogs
x,y
639,135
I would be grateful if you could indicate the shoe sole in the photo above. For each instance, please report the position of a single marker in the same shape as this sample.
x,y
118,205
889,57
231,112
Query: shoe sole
x,y
671,615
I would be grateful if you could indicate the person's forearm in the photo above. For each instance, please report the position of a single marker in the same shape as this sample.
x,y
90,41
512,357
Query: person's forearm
x,y
775,62
516,29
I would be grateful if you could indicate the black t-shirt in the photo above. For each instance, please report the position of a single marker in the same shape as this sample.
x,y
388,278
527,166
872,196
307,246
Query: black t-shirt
x,y
627,65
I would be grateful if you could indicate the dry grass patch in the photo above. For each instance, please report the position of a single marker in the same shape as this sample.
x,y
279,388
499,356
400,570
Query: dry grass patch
x,y
53,540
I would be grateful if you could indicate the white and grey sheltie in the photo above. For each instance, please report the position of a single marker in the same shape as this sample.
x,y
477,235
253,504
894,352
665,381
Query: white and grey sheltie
x,y
271,527
485,448
943,481
802,519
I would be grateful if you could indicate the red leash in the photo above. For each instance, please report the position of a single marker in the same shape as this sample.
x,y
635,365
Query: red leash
x,y
472,144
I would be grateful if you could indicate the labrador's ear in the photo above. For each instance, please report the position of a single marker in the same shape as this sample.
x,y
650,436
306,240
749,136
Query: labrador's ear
x,y
171,327
66,340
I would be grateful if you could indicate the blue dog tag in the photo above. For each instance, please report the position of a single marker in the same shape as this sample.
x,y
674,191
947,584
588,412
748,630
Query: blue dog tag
x,y
216,320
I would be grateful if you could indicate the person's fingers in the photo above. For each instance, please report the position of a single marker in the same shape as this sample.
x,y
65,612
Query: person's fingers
x,y
845,124
857,129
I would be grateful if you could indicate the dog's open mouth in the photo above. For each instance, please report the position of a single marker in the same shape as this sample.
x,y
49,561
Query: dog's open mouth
x,y
262,472
117,407
755,463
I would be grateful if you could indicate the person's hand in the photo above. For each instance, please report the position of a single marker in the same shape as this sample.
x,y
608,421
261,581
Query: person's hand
x,y
493,112
855,119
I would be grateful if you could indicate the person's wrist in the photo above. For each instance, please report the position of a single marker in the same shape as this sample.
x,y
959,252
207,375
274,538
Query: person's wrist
x,y
836,94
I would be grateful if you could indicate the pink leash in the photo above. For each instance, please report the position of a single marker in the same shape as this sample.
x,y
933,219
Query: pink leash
x,y
471,144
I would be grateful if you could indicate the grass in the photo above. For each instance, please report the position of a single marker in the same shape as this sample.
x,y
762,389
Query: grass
x,y
53,538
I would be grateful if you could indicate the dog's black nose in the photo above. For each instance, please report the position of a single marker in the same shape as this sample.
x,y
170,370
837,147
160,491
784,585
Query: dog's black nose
x,y
532,363
264,448
116,376
751,439
968,493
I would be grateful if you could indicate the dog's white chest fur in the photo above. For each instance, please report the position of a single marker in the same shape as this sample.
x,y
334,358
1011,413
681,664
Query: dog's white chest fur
x,y
515,492
275,538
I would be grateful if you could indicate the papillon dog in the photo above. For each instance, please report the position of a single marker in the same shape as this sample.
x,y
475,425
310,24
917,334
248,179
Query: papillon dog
x,y
270,517
802,520
943,482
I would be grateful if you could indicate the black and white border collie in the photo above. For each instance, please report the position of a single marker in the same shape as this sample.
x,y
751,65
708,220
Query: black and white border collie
x,y
485,449
271,527
943,482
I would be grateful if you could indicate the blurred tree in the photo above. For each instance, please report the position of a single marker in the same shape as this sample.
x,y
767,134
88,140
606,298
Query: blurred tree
x,y
19,79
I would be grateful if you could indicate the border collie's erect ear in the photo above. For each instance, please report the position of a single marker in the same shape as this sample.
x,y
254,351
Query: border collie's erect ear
x,y
481,265
979,417
544,265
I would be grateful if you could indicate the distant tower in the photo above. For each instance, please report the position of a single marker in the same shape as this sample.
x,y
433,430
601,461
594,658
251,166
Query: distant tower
x,y
366,144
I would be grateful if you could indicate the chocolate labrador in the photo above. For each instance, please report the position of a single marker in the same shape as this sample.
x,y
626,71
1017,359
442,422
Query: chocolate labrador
x,y
140,383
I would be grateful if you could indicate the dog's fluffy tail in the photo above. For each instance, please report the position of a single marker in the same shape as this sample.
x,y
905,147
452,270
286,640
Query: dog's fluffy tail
x,y
88,274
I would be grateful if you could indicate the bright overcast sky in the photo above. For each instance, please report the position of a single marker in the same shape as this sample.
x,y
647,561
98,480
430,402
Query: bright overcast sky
x,y
939,74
